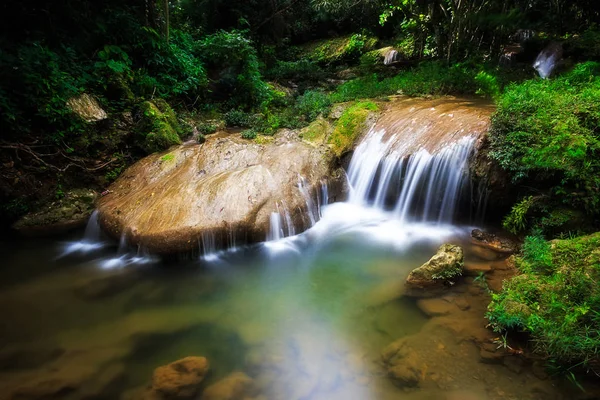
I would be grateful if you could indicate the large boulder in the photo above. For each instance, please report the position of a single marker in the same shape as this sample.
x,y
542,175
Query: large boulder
x,y
222,190
180,379
445,266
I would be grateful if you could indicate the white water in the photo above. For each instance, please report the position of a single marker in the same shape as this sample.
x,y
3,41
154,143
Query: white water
x,y
91,241
419,187
396,198
545,62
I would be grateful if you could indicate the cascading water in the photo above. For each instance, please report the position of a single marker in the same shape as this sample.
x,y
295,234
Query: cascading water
x,y
418,187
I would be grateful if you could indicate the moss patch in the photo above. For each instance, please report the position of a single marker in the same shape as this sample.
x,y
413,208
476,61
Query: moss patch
x,y
316,132
158,128
340,48
350,125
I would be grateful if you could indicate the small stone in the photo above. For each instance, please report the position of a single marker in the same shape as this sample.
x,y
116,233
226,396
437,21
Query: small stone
x,y
462,304
435,307
180,379
514,364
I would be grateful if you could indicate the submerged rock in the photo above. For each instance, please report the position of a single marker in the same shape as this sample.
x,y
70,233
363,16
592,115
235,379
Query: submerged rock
x,y
237,386
494,242
180,379
70,212
403,364
445,266
215,193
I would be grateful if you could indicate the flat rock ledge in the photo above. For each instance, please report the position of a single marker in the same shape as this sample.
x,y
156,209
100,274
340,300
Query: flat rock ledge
x,y
215,194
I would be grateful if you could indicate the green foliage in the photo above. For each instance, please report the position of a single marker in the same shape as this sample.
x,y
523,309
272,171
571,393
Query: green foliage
x,y
536,252
237,118
249,134
429,78
516,221
313,103
303,70
328,51
234,61
545,131
350,125
206,128
555,299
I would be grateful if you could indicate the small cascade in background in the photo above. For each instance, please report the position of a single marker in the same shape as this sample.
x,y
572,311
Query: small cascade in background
x,y
420,187
547,59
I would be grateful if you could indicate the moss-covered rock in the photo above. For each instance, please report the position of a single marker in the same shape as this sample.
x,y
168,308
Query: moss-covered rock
x,y
445,266
350,125
317,131
70,212
157,126
329,51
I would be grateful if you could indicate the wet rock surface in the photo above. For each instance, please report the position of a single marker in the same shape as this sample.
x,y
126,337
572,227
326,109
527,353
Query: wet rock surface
x,y
445,266
226,188
497,243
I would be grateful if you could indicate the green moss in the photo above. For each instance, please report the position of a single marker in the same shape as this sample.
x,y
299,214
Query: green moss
x,y
350,125
556,299
168,157
340,48
316,132
158,128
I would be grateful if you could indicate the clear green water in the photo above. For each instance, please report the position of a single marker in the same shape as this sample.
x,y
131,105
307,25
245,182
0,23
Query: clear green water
x,y
305,323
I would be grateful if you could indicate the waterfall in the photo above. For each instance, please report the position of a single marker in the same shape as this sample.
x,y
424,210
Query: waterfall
x,y
91,241
417,187
547,59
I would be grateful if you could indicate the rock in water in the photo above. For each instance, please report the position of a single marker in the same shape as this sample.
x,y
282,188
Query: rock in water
x,y
237,386
180,379
225,188
494,242
445,266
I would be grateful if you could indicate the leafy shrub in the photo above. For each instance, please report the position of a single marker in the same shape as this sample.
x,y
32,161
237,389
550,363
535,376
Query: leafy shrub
x,y
302,70
206,128
313,103
249,134
170,69
237,118
545,131
36,84
556,300
516,221
233,58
